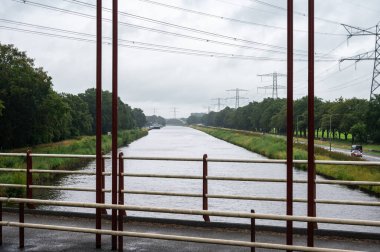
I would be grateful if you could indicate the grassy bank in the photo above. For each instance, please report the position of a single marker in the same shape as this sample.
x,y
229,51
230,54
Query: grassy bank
x,y
81,145
275,148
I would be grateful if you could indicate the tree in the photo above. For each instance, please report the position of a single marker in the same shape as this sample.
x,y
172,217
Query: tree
x,y
25,91
359,133
373,119
81,119
139,117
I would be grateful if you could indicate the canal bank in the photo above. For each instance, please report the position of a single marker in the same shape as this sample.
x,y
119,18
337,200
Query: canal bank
x,y
274,147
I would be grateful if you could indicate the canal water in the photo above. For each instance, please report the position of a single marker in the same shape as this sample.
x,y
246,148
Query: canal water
x,y
172,141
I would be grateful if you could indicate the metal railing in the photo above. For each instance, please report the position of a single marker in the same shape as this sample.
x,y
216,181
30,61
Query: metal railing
x,y
121,233
29,186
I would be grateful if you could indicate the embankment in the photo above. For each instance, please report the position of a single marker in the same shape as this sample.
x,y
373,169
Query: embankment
x,y
81,145
275,148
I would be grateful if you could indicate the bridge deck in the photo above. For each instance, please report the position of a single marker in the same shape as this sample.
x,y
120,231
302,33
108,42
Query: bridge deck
x,y
43,240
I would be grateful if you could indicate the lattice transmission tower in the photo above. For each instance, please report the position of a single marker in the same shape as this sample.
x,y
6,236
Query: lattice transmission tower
x,y
219,102
237,97
370,55
275,87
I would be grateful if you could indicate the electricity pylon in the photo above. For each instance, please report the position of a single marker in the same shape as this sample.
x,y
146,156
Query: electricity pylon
x,y
275,87
237,96
219,103
370,55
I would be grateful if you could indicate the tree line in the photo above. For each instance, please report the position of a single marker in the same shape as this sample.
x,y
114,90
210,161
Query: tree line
x,y
358,118
31,112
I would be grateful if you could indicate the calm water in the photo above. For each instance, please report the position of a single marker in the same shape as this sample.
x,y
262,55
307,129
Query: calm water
x,y
186,142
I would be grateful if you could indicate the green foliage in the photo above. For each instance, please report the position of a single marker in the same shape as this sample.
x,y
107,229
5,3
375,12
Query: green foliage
x,y
156,119
139,117
32,113
82,145
269,116
275,148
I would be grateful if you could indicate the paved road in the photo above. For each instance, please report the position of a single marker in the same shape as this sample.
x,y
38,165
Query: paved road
x,y
43,240
347,152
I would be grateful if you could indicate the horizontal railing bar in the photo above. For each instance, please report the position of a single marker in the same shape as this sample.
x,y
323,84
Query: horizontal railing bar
x,y
12,154
12,170
320,201
170,237
220,160
13,185
220,196
164,158
146,175
163,193
63,172
195,212
62,155
81,189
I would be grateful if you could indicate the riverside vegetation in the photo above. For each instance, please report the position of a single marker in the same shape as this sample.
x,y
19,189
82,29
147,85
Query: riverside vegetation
x,y
275,147
81,145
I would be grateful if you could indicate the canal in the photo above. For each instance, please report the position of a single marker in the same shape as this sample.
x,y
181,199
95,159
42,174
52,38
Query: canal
x,y
174,141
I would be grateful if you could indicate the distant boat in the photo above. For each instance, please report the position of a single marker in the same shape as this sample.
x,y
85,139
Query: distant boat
x,y
155,126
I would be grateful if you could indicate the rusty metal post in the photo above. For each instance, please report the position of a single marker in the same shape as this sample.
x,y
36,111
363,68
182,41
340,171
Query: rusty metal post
x,y
253,231
311,163
289,128
114,116
21,229
98,119
205,187
29,178
1,227
121,199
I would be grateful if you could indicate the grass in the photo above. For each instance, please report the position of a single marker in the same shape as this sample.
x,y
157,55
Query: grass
x,y
274,147
81,145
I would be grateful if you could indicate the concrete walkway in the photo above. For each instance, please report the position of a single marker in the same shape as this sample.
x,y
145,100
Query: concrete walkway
x,y
44,240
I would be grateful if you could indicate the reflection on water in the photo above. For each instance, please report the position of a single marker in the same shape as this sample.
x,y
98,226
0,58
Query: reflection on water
x,y
186,142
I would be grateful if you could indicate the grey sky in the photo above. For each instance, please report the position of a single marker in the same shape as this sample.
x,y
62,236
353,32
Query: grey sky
x,y
162,80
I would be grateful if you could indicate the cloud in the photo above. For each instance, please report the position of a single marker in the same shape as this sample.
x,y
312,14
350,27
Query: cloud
x,y
159,80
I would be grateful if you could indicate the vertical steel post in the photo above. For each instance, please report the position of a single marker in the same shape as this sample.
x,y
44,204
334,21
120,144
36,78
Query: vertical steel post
x,y
253,231
29,178
21,231
205,187
98,119
114,115
290,127
121,199
311,163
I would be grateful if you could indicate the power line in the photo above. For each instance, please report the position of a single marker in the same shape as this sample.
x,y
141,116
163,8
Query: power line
x,y
295,12
230,19
49,7
199,31
193,30
160,48
162,31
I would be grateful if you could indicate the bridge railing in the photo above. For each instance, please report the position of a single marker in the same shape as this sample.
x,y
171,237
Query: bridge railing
x,y
120,233
204,161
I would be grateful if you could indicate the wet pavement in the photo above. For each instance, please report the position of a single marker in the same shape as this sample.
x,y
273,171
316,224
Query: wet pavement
x,y
45,240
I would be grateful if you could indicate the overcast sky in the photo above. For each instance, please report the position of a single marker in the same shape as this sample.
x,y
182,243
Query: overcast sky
x,y
150,79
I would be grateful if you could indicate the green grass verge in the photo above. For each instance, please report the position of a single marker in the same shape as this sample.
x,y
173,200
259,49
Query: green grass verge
x,y
81,145
274,147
